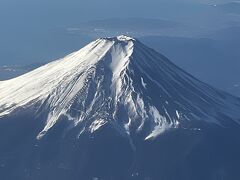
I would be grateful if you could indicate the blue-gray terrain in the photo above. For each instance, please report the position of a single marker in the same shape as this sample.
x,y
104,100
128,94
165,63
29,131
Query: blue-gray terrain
x,y
116,110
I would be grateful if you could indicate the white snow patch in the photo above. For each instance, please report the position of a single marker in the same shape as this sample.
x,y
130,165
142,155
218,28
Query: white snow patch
x,y
96,125
161,123
143,83
178,114
125,38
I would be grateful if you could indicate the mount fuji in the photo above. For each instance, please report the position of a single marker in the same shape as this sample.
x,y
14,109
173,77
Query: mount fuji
x,y
116,110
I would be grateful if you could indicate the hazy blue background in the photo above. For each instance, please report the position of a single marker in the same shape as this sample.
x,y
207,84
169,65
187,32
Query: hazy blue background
x,y
201,36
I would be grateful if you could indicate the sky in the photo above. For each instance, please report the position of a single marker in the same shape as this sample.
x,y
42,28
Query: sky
x,y
29,28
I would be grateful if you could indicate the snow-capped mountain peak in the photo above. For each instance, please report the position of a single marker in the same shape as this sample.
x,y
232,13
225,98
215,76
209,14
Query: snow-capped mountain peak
x,y
121,82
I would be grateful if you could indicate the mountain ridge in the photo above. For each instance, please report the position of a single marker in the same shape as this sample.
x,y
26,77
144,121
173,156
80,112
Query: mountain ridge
x,y
116,110
117,72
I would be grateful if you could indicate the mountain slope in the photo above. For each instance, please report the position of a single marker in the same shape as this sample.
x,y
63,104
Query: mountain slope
x,y
114,90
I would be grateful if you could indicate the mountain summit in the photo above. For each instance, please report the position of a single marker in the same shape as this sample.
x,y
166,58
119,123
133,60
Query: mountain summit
x,y
114,87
